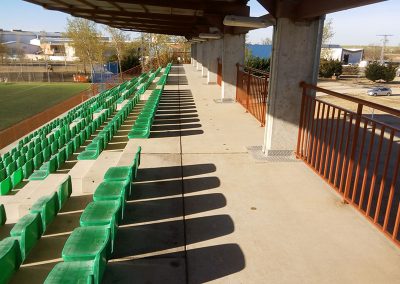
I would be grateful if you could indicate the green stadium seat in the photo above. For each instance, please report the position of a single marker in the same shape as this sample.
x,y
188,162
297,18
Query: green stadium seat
x,y
85,243
83,272
27,169
17,177
46,169
92,151
10,258
112,190
30,154
47,207
37,161
54,147
103,213
3,215
37,149
5,186
64,192
27,231
11,168
46,153
3,174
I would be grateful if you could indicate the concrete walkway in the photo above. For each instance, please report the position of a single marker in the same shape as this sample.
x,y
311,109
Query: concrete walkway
x,y
203,210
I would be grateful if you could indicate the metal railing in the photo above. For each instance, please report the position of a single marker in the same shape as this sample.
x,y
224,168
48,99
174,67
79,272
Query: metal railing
x,y
252,90
219,72
124,76
358,155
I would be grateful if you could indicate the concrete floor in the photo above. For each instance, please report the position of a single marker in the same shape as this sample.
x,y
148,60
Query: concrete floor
x,y
203,210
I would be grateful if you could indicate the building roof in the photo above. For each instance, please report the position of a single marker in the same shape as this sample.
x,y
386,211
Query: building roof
x,y
188,17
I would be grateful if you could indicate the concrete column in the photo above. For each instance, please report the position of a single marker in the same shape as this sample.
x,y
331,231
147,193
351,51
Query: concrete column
x,y
199,59
206,52
215,51
295,58
233,52
194,54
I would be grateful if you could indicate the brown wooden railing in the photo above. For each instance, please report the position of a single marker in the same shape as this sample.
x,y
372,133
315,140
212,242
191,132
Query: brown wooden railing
x,y
219,72
252,90
357,154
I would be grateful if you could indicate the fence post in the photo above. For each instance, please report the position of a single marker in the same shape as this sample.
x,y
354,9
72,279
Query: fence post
x,y
353,152
264,102
248,89
237,80
301,121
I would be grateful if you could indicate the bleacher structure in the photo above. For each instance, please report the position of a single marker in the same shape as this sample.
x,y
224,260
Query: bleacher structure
x,y
41,153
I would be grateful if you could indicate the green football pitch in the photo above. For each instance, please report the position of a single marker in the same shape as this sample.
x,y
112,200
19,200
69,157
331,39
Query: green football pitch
x,y
19,101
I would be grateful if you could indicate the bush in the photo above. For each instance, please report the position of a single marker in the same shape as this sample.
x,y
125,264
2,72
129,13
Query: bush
x,y
259,63
375,72
329,68
389,73
350,70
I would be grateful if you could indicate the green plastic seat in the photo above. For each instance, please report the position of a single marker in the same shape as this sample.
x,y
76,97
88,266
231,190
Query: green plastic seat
x,y
11,168
17,177
64,191
46,153
103,213
5,186
27,169
112,190
3,174
85,243
90,153
37,161
27,231
61,157
54,147
30,154
3,215
21,161
10,258
139,133
78,272
47,207
69,149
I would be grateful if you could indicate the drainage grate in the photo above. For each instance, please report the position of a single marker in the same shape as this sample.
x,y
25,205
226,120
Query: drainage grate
x,y
274,156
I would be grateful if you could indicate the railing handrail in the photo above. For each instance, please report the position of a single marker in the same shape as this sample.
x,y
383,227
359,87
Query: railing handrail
x,y
253,69
383,108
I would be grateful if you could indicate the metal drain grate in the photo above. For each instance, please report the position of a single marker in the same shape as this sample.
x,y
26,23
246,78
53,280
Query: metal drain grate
x,y
275,156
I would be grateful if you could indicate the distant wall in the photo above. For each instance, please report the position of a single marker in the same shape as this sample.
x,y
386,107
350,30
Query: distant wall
x,y
260,50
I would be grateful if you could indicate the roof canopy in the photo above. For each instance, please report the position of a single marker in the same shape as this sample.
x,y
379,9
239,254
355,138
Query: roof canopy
x,y
188,17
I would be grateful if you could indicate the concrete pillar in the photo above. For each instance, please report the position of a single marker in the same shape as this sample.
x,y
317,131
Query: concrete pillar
x,y
194,54
233,52
199,59
295,58
204,67
215,51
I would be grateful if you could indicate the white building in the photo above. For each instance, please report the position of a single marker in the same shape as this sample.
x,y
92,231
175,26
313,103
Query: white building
x,y
344,55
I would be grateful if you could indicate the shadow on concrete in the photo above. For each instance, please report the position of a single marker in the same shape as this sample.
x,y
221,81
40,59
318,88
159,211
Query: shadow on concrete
x,y
173,187
160,173
160,209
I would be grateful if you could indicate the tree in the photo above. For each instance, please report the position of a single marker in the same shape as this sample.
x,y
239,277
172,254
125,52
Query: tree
x,y
327,35
266,41
376,71
86,40
329,68
118,39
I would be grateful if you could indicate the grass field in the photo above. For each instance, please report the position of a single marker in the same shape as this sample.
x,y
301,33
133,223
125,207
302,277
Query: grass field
x,y
19,101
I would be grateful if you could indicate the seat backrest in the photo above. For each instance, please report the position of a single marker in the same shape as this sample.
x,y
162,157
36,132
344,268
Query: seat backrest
x,y
3,215
47,207
64,192
10,258
38,161
17,177
27,168
28,229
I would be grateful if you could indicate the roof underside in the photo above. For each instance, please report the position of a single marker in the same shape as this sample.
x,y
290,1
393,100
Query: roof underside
x,y
188,17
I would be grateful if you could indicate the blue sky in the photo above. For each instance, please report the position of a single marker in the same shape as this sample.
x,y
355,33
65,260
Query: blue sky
x,y
351,27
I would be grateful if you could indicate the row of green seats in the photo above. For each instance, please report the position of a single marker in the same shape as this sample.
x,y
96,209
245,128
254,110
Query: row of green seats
x,y
29,229
88,248
141,128
99,143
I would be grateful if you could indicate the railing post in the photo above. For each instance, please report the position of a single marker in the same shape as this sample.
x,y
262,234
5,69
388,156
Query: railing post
x,y
353,152
248,89
303,97
237,80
